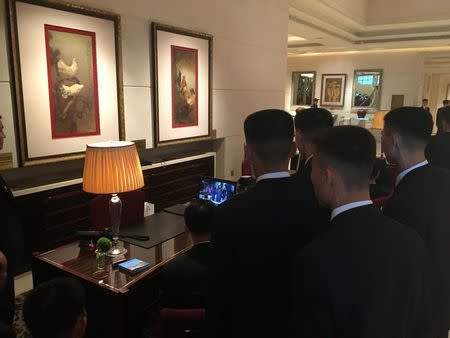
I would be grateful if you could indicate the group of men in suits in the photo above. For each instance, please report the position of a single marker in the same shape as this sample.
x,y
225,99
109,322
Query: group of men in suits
x,y
280,268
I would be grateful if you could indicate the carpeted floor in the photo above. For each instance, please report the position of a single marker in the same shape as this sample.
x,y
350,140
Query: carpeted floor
x,y
19,324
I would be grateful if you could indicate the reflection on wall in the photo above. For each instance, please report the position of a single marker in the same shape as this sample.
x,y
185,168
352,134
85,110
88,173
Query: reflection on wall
x,y
366,88
303,84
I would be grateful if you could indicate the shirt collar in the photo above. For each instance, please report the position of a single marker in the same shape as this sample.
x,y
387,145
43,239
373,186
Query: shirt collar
x,y
308,159
404,172
348,206
279,174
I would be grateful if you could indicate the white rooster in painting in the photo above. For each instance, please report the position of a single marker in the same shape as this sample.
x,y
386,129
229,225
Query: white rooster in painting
x,y
72,90
67,71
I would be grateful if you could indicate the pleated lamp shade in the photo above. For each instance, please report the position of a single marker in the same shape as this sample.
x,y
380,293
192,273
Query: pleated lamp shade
x,y
111,168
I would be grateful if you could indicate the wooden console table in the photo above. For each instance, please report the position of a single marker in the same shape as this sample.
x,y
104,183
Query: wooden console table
x,y
118,304
52,214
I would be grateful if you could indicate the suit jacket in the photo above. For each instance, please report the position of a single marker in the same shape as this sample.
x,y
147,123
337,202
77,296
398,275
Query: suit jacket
x,y
421,201
6,331
255,237
303,178
11,244
437,151
185,279
363,278
439,120
426,108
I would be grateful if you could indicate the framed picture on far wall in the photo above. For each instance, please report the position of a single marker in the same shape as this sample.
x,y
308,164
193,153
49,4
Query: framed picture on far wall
x,y
68,78
333,90
182,78
302,91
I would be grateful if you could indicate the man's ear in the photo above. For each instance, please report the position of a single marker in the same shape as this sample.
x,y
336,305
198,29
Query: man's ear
x,y
293,150
80,326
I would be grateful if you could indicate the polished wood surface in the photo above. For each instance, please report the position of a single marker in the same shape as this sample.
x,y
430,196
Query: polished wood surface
x,y
119,304
81,262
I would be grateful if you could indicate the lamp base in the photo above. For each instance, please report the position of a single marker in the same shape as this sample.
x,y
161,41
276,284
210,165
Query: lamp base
x,y
116,251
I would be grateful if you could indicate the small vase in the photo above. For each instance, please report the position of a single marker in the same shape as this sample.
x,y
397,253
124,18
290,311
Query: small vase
x,y
100,257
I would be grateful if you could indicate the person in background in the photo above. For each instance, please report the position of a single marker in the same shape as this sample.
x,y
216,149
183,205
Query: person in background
x,y
365,276
256,234
425,105
5,329
445,104
420,198
185,278
308,124
437,152
11,243
381,182
56,309
315,103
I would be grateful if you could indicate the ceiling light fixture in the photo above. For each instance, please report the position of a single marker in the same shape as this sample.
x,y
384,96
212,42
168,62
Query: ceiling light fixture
x,y
292,38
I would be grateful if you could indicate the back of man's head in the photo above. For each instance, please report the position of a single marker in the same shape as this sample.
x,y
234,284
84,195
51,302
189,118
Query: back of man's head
x,y
198,216
53,309
445,102
412,124
311,121
270,134
351,151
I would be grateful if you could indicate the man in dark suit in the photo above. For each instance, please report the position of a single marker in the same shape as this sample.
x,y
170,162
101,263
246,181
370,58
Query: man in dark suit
x,y
308,124
256,235
5,329
437,152
445,104
365,276
11,243
421,195
315,103
425,105
184,279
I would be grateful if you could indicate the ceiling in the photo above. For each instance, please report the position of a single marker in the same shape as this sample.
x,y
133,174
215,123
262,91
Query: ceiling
x,y
335,26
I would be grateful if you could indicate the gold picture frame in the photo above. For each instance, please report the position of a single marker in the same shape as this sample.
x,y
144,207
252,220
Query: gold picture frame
x,y
34,115
182,85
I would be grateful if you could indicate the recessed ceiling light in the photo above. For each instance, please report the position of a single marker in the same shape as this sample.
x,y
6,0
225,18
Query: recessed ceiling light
x,y
292,37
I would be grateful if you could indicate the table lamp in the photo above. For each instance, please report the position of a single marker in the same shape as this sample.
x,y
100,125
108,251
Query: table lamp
x,y
111,168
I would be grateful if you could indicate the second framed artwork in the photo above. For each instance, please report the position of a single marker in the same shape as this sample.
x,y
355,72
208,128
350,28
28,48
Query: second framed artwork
x,y
333,90
182,77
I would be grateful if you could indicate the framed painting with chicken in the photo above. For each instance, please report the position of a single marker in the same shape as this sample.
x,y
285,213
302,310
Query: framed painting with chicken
x,y
182,78
68,78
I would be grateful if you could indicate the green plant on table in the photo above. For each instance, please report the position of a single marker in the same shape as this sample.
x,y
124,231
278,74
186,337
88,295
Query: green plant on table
x,y
104,244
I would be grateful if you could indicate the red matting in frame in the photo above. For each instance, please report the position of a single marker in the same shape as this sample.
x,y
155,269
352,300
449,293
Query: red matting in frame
x,y
195,51
56,135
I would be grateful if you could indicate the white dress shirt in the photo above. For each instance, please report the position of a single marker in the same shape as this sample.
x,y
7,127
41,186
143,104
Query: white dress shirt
x,y
345,207
278,174
404,172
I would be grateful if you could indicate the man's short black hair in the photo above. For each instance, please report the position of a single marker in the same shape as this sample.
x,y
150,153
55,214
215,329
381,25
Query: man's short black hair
x,y
350,150
424,100
413,124
52,309
445,102
270,134
313,120
198,216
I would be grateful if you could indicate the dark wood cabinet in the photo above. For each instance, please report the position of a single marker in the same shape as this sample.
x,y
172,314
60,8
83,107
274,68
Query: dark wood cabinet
x,y
51,218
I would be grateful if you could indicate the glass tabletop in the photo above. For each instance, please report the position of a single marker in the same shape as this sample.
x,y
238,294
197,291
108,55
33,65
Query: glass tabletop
x,y
81,262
